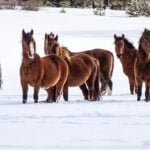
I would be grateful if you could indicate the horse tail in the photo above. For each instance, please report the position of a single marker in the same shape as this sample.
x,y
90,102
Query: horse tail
x,y
97,81
112,65
110,83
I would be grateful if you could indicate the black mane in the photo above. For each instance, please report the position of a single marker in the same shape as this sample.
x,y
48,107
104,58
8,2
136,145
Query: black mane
x,y
129,44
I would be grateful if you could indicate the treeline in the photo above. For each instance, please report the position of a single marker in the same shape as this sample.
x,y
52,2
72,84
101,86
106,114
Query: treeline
x,y
116,4
132,7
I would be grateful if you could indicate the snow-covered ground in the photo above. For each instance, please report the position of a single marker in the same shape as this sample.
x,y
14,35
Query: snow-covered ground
x,y
117,122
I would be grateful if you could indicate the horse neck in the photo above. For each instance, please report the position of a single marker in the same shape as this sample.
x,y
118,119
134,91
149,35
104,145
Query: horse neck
x,y
26,59
69,52
25,53
65,54
128,50
128,55
143,56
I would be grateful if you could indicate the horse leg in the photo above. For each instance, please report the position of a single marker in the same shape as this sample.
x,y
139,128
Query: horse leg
x,y
50,92
147,94
90,83
84,91
108,83
103,87
135,86
24,90
59,89
65,93
36,92
62,81
139,88
96,85
131,83
139,93
54,93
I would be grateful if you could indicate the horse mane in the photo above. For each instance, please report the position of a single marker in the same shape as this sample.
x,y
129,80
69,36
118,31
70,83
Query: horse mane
x,y
140,40
65,54
66,49
129,44
142,54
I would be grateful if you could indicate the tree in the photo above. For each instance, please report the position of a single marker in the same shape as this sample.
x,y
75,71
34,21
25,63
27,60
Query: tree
x,y
63,4
139,8
100,7
133,9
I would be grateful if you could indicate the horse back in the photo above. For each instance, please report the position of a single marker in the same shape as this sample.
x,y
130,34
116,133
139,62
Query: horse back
x,y
105,58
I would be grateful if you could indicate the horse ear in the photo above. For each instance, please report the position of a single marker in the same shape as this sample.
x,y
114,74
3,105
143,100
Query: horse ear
x,y
115,36
51,34
123,36
23,32
31,32
146,30
56,38
45,35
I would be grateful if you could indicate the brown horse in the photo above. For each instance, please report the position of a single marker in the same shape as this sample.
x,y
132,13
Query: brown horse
x,y
37,71
105,58
127,54
82,69
142,65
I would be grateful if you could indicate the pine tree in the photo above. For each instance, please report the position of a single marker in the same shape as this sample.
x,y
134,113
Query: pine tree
x,y
63,4
145,10
100,10
139,8
133,9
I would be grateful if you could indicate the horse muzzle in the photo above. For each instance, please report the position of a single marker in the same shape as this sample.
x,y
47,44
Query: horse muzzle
x,y
119,55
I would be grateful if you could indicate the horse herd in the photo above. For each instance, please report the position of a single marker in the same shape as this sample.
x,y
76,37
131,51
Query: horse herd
x,y
90,70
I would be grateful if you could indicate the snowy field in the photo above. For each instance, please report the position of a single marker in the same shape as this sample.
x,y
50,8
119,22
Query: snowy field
x,y
118,122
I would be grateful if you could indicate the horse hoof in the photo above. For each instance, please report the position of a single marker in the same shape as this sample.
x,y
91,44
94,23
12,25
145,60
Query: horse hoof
x,y
24,101
146,100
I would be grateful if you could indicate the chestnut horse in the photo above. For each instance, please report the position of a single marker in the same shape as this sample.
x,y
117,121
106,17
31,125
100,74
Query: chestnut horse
x,y
37,71
142,65
105,58
127,54
82,69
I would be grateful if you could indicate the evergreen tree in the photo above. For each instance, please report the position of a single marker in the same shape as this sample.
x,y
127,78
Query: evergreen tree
x,y
133,9
63,4
100,7
139,8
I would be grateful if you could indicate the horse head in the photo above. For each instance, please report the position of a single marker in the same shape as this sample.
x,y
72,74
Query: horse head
x,y
119,45
28,43
145,41
50,43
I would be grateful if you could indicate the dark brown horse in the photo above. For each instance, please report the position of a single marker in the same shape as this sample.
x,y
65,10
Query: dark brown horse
x,y
142,65
105,58
82,69
127,54
37,71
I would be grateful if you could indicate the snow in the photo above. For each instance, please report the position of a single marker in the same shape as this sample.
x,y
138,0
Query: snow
x,y
118,122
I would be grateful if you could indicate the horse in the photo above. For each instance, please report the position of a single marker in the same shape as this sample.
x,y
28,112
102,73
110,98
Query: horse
x,y
105,58
44,72
83,71
126,52
142,65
